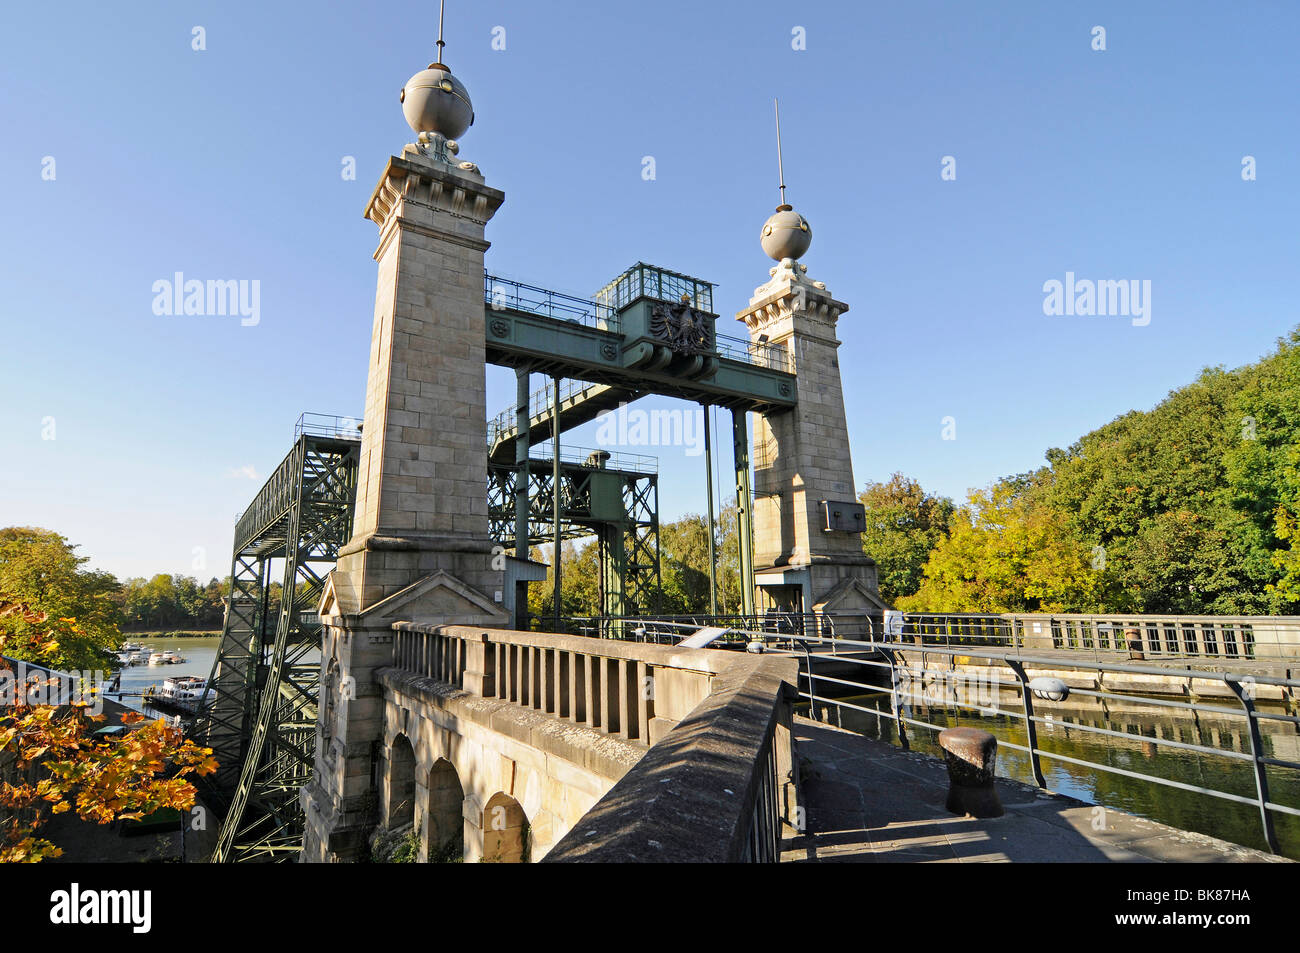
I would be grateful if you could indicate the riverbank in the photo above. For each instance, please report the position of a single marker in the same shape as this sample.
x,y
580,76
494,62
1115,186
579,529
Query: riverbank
x,y
170,634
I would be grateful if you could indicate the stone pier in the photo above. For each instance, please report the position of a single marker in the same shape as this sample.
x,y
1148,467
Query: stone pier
x,y
803,472
420,550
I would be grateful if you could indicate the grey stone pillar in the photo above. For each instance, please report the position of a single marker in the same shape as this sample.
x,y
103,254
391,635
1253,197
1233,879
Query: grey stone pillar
x,y
420,549
803,454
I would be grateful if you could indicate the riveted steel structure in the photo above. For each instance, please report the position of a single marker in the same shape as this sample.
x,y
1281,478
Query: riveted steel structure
x,y
259,713
614,498
649,331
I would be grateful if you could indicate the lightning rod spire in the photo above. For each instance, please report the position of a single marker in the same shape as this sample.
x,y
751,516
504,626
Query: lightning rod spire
x,y
442,8
786,234
780,166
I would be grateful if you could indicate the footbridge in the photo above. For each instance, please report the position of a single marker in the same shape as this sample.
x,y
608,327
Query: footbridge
x,y
511,746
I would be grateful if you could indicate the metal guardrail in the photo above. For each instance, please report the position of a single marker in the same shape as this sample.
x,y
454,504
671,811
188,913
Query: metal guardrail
x,y
1140,637
327,425
504,293
670,629
870,654
630,462
539,405
772,356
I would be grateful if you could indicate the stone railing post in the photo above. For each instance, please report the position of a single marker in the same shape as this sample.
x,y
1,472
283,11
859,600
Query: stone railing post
x,y
480,666
787,765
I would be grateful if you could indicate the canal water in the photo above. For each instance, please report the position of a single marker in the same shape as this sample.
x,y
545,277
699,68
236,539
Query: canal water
x,y
199,653
1137,752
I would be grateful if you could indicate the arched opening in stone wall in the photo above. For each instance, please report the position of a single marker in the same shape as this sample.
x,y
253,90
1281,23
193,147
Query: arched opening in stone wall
x,y
400,784
446,823
505,831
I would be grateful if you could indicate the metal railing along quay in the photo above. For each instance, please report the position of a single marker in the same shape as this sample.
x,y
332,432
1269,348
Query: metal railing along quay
x,y
904,686
903,679
1262,639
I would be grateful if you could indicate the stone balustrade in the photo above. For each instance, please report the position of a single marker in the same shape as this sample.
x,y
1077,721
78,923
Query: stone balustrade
x,y
704,767
634,691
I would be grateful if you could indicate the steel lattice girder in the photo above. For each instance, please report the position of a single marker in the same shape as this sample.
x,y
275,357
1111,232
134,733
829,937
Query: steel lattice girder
x,y
635,562
262,723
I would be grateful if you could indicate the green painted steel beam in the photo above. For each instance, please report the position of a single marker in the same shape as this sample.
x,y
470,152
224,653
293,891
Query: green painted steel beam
x,y
573,350
744,509
262,722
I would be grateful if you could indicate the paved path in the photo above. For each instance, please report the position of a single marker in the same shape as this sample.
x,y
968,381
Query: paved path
x,y
868,801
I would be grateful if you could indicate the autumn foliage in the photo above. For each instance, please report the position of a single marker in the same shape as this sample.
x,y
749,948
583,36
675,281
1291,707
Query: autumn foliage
x,y
52,763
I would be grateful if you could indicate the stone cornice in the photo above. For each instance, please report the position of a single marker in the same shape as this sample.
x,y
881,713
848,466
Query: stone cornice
x,y
458,193
791,295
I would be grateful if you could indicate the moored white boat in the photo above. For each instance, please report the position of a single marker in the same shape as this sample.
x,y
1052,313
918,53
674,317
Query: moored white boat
x,y
183,692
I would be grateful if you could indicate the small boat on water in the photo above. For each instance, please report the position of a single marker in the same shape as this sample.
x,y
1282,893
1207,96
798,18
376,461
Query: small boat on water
x,y
172,657
129,647
183,692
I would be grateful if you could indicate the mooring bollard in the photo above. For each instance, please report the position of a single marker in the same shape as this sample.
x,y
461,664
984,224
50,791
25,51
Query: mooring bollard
x,y
971,756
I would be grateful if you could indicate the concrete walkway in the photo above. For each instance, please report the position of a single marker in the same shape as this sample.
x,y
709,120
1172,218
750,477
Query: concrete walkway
x,y
868,801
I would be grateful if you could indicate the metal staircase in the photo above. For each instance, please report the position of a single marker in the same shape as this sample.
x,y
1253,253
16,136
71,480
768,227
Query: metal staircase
x,y
580,402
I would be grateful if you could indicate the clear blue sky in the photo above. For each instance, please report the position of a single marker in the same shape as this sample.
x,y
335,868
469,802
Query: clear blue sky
x,y
226,163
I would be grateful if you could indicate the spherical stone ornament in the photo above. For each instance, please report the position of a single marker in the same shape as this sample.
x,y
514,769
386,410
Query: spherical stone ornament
x,y
435,101
786,234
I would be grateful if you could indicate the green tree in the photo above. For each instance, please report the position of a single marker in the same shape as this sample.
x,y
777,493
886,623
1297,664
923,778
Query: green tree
x,y
684,564
903,525
579,584
40,568
1007,553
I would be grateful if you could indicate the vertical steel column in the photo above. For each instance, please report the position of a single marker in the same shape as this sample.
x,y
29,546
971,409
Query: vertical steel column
x,y
1031,727
1246,695
522,442
744,509
555,493
708,474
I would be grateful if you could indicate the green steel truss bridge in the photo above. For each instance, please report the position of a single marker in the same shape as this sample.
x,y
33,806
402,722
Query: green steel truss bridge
x,y
614,497
650,331
261,720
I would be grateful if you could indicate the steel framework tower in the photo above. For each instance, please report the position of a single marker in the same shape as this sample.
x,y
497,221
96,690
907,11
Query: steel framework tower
x,y
614,498
261,723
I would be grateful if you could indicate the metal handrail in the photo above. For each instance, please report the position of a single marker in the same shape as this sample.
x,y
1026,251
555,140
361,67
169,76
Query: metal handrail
x,y
1181,637
504,293
539,405
628,462
327,425
772,356
885,656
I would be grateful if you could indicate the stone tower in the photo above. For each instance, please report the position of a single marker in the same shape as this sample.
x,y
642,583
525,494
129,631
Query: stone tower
x,y
807,521
420,549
